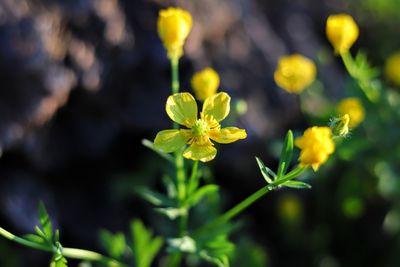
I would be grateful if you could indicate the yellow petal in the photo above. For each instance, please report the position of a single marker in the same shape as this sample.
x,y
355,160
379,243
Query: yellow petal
x,y
182,109
170,140
202,153
227,135
216,107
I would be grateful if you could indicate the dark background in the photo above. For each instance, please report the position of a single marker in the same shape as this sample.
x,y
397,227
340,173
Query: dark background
x,y
84,81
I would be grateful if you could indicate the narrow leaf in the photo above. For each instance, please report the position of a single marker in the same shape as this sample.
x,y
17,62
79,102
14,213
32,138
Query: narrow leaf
x,y
114,243
144,246
267,173
286,154
45,222
150,145
154,198
35,238
195,197
297,184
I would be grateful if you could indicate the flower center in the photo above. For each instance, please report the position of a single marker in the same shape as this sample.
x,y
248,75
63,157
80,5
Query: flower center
x,y
200,128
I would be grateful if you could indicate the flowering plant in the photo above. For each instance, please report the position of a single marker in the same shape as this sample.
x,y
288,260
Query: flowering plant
x,y
185,149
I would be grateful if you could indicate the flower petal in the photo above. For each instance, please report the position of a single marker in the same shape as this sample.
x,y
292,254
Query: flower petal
x,y
170,140
217,106
182,109
227,135
202,153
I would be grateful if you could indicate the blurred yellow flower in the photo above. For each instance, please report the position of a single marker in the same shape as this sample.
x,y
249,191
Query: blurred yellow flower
x,y
174,25
316,145
354,108
205,83
294,73
182,109
342,31
392,68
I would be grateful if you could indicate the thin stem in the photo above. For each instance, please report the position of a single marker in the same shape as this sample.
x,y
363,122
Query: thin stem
x,y
250,200
348,62
194,178
180,176
82,254
175,75
72,253
23,241
175,259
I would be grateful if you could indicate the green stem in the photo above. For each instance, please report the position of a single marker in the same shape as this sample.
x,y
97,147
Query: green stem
x,y
348,62
369,88
228,215
82,254
23,241
175,75
175,259
72,253
194,178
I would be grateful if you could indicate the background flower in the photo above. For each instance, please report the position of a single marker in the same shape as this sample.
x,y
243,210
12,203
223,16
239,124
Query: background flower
x,y
294,73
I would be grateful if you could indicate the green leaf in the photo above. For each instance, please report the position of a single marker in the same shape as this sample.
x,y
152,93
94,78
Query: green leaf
x,y
114,244
40,233
286,154
45,222
61,262
195,197
172,213
154,198
293,173
297,184
267,173
150,145
35,238
220,261
170,186
144,246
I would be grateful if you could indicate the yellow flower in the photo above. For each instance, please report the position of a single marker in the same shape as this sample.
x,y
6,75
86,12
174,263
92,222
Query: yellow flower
x,y
342,31
174,25
392,68
294,73
205,83
182,109
354,108
316,145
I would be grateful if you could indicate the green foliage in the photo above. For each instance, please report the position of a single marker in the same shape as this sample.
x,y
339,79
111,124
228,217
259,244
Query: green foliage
x,y
266,172
144,246
282,178
47,237
286,154
194,198
114,244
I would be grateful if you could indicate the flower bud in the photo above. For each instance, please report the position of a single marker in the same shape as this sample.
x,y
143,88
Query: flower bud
x,y
340,126
205,83
294,73
174,25
342,31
